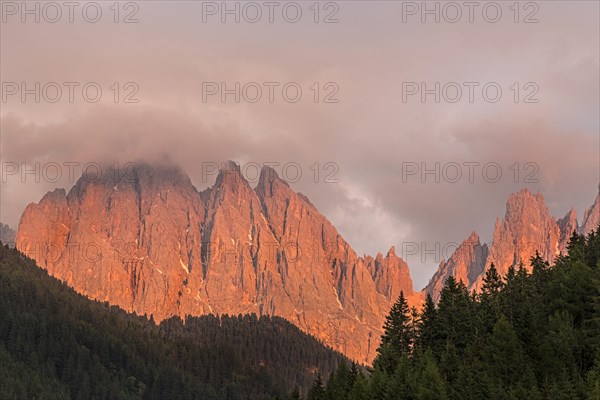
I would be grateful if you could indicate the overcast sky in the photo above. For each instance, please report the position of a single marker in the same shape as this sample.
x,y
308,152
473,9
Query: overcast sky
x,y
370,133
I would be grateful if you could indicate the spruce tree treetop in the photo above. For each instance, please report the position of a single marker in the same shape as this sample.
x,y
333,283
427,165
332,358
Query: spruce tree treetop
x,y
396,340
492,283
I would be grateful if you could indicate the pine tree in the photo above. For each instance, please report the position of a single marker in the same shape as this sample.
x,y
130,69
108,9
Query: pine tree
x,y
396,341
317,391
431,385
455,317
353,374
427,325
592,249
492,283
489,299
338,384
359,389
576,247
397,326
538,263
504,353
592,382
378,384
401,383
415,323
295,394
508,298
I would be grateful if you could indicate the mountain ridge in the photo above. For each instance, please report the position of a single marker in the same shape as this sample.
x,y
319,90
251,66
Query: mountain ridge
x,y
151,243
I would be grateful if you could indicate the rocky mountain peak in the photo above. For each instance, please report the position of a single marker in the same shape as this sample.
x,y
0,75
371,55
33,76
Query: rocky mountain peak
x,y
230,175
466,264
527,227
392,252
390,274
473,238
591,217
524,204
269,182
55,195
567,225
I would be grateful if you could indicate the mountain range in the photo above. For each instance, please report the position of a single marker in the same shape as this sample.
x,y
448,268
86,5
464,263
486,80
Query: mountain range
x,y
151,243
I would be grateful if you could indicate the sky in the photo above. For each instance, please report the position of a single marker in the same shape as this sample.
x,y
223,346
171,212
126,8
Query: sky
x,y
405,124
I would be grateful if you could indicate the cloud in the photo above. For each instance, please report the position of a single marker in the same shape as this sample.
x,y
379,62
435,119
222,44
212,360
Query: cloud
x,y
365,141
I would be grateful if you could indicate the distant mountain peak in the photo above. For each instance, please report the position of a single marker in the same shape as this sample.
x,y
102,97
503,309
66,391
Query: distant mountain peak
x,y
391,252
527,227
473,237
7,235
567,225
465,264
591,216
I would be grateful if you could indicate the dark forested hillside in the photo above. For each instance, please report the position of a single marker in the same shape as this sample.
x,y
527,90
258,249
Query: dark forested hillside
x,y
57,344
525,336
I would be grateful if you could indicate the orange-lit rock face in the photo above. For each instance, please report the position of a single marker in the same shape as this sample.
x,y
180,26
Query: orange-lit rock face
x,y
390,273
527,227
567,225
466,264
150,243
120,240
591,217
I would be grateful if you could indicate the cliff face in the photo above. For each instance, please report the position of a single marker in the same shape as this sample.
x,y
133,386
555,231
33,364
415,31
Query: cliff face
x,y
390,273
567,225
150,243
113,239
527,227
466,264
591,217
